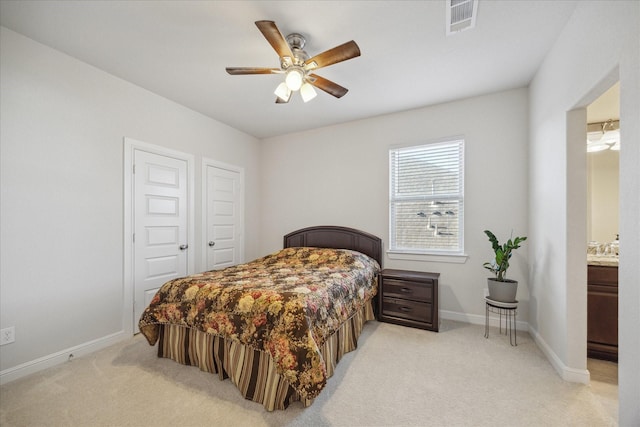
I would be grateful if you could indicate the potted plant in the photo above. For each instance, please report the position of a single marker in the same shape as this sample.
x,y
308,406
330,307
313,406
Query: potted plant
x,y
500,288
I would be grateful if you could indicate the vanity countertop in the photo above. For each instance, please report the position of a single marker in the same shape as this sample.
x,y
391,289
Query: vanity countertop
x,y
605,260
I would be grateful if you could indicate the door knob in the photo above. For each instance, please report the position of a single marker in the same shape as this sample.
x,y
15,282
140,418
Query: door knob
x,y
212,243
183,247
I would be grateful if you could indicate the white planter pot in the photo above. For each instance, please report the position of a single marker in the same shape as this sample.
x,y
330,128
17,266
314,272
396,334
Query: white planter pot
x,y
502,291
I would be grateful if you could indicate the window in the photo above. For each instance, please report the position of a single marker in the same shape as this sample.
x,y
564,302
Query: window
x,y
426,198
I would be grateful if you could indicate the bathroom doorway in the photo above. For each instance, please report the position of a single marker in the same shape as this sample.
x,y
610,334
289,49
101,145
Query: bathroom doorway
x,y
603,172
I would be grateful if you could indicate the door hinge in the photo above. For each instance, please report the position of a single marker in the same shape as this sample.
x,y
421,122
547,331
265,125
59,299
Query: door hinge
x,y
134,169
134,237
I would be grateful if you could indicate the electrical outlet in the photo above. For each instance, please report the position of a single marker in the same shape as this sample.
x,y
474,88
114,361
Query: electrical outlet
x,y
7,335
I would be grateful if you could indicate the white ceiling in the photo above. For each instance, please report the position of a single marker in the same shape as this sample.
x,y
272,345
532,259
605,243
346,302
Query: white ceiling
x,y
179,49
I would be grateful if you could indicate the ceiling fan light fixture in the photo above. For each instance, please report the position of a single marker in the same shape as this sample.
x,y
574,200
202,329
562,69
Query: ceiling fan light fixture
x,y
283,92
294,78
296,64
307,92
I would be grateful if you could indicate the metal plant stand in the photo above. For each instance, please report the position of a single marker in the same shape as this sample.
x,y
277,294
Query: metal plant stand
x,y
506,309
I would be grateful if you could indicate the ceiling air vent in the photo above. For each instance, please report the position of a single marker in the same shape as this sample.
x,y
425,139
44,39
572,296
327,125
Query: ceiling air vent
x,y
461,15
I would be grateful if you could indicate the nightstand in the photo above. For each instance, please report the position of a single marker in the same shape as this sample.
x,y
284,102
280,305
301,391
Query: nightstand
x,y
409,298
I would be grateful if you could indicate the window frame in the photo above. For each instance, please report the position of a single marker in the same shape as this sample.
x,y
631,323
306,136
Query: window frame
x,y
457,254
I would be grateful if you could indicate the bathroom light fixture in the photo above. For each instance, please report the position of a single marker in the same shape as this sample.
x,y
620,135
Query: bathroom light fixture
x,y
603,136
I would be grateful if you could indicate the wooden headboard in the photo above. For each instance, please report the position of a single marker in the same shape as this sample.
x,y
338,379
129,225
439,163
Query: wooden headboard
x,y
329,236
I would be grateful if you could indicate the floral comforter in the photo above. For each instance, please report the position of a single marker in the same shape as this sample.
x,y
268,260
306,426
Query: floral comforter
x,y
287,304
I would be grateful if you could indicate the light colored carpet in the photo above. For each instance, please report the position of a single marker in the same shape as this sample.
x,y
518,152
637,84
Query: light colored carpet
x,y
397,377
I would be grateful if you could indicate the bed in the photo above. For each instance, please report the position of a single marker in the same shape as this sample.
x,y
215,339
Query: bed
x,y
276,326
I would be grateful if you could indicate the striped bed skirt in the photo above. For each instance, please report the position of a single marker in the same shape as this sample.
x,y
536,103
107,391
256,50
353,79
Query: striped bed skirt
x,y
253,371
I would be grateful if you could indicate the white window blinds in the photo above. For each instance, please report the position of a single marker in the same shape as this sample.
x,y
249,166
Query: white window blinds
x,y
426,198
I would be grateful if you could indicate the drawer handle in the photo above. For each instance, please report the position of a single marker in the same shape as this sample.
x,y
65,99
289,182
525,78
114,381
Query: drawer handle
x,y
406,290
405,309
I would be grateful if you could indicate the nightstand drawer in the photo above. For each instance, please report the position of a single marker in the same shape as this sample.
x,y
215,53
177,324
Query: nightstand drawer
x,y
406,309
408,290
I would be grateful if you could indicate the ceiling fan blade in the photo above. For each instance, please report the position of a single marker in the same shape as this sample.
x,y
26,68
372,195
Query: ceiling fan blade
x,y
340,53
281,101
252,70
275,38
327,85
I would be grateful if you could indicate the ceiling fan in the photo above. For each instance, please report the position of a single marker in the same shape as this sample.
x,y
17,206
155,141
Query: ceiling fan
x,y
297,66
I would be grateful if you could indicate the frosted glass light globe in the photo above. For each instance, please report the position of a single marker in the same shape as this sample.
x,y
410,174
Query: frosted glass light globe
x,y
294,79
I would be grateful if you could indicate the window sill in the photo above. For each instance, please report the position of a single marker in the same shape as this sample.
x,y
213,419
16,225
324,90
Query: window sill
x,y
451,258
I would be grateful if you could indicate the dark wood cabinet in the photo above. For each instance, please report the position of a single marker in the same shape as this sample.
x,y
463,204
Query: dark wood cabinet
x,y
409,298
602,312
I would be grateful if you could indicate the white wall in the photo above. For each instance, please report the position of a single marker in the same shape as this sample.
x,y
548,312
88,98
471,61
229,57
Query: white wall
x,y
339,176
570,78
62,130
603,199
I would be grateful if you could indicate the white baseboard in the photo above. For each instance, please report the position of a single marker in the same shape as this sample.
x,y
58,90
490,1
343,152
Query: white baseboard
x,y
31,367
476,319
566,373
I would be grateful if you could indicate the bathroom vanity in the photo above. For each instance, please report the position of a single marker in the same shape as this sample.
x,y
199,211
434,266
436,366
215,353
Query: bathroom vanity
x,y
602,308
